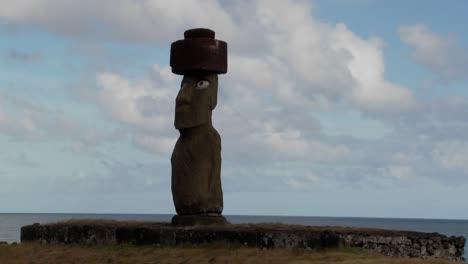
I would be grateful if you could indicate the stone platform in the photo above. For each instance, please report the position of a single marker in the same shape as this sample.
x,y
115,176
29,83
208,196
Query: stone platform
x,y
198,220
386,242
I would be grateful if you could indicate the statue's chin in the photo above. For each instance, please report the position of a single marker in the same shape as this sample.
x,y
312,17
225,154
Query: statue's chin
x,y
182,124
189,121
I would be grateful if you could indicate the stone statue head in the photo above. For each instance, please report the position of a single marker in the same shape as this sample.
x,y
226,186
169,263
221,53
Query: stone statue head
x,y
199,57
197,97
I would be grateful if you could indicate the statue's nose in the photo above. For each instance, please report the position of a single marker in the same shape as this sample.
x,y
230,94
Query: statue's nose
x,y
184,96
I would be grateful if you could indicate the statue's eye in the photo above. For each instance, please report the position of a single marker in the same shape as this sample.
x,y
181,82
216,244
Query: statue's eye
x,y
203,84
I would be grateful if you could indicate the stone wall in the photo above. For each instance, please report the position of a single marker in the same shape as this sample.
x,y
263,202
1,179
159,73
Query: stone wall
x,y
408,244
386,242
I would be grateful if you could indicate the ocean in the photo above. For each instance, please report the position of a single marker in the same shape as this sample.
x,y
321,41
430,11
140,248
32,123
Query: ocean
x,y
10,224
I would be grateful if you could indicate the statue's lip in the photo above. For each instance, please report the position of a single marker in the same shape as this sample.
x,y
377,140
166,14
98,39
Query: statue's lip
x,y
182,106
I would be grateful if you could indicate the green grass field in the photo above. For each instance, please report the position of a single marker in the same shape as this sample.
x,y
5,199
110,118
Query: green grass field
x,y
36,253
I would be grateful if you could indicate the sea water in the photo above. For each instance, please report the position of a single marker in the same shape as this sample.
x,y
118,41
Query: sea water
x,y
10,224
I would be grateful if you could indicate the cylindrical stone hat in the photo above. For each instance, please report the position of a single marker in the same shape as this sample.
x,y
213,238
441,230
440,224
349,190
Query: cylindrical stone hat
x,y
199,51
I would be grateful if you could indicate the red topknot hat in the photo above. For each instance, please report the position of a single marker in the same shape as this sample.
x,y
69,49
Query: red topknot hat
x,y
199,51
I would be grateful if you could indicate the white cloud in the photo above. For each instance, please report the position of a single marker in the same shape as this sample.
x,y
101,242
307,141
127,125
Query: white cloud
x,y
295,66
451,155
22,126
147,20
299,58
155,144
400,172
314,63
291,144
143,104
20,119
287,68
145,107
439,53
283,64
302,183
25,121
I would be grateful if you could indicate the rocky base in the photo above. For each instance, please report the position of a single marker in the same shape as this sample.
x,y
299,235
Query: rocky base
x,y
386,242
198,220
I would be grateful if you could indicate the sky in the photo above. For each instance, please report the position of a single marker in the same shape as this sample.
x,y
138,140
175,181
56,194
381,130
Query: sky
x,y
329,107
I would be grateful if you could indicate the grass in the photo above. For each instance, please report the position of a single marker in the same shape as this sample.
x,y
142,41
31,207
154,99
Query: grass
x,y
36,253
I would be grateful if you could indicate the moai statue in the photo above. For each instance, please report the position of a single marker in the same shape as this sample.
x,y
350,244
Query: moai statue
x,y
196,159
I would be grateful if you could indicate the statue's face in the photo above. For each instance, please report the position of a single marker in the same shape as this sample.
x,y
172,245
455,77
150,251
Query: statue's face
x,y
196,99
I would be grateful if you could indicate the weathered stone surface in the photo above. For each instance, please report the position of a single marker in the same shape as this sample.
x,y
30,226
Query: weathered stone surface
x,y
386,242
32,232
69,233
196,220
199,51
323,238
408,244
196,159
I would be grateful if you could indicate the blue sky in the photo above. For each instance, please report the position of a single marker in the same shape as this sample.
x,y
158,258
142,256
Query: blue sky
x,y
329,108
